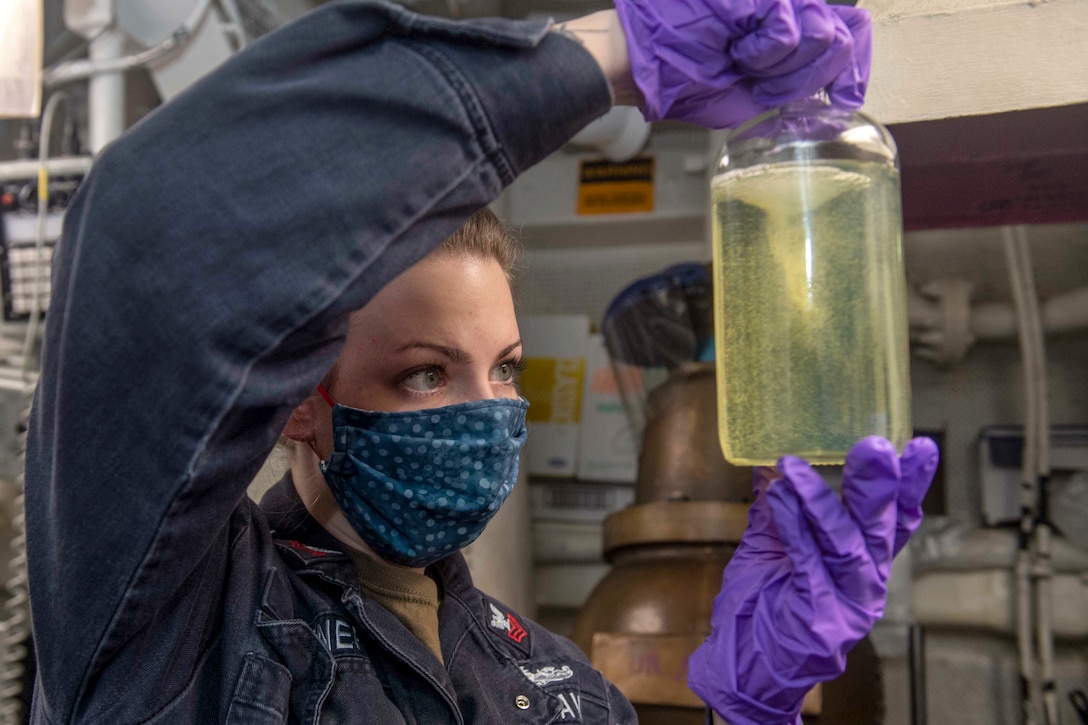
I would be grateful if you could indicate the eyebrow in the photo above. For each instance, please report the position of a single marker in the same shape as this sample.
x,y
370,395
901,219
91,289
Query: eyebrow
x,y
454,354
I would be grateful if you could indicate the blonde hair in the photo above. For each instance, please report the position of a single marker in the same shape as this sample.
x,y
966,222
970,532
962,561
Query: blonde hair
x,y
483,236
486,237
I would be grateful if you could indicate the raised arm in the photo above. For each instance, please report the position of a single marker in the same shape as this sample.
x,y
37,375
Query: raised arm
x,y
206,269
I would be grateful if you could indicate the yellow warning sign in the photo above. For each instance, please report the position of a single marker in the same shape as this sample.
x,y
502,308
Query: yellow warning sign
x,y
605,187
553,387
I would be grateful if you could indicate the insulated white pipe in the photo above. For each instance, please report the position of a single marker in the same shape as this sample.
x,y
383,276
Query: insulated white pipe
x,y
1044,594
106,91
78,69
944,325
1028,496
619,134
1043,570
1025,648
20,169
1034,554
1063,312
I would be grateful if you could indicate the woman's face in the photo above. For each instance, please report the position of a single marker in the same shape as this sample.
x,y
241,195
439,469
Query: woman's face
x,y
441,333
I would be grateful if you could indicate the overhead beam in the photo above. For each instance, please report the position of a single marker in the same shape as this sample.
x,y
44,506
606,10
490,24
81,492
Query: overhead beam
x,y
937,59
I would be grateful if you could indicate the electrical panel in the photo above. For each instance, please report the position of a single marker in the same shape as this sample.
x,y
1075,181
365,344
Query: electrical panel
x,y
1000,459
25,263
26,244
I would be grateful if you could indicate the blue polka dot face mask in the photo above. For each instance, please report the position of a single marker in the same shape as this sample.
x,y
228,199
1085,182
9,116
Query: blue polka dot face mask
x,y
419,485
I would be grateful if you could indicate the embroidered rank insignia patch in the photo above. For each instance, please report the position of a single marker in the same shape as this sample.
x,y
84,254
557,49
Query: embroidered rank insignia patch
x,y
303,553
508,623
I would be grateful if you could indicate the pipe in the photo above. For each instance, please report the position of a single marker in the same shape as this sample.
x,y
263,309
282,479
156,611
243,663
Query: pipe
x,y
916,658
235,26
106,91
991,321
1034,566
1024,601
1042,568
39,245
1065,312
15,625
60,166
1044,591
80,69
619,134
944,324
15,622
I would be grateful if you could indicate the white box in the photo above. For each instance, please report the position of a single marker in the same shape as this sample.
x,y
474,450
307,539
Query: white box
x,y
577,500
608,450
554,348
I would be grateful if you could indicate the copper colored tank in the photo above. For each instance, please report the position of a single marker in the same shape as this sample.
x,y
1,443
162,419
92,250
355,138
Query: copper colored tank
x,y
680,457
668,550
652,609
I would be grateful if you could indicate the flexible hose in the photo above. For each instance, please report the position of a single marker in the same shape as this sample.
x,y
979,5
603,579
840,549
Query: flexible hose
x,y
1042,568
1024,602
15,624
34,324
79,69
1033,566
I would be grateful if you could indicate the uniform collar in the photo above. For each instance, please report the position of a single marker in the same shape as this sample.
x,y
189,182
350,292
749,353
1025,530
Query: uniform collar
x,y
308,544
308,547
303,543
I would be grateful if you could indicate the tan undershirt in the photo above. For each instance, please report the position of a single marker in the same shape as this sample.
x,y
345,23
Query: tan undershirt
x,y
410,596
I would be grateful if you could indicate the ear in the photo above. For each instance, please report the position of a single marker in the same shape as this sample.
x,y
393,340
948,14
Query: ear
x,y
301,426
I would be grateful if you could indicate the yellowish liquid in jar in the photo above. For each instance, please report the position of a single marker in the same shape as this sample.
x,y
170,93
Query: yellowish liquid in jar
x,y
810,310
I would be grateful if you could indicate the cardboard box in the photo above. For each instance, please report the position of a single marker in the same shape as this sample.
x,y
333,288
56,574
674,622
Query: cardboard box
x,y
608,450
554,348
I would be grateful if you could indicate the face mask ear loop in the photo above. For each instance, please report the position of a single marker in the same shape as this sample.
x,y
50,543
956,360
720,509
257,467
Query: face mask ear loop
x,y
320,462
325,394
332,404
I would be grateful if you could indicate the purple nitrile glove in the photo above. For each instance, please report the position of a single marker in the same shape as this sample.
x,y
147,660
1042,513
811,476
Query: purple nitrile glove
x,y
718,63
808,579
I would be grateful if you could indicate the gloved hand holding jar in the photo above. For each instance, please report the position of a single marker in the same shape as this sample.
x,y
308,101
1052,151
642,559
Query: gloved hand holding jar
x,y
808,580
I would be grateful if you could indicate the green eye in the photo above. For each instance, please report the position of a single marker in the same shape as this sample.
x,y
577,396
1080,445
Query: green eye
x,y
423,380
509,371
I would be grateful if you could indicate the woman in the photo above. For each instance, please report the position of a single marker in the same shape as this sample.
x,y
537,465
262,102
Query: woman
x,y
401,492
252,235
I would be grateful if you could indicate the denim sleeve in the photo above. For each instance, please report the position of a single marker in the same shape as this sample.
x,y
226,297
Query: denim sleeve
x,y
205,272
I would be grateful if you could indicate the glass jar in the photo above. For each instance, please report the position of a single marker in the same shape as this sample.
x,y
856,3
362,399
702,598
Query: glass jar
x,y
810,296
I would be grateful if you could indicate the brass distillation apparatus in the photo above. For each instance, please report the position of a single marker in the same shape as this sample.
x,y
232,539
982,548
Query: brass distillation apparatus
x,y
668,550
